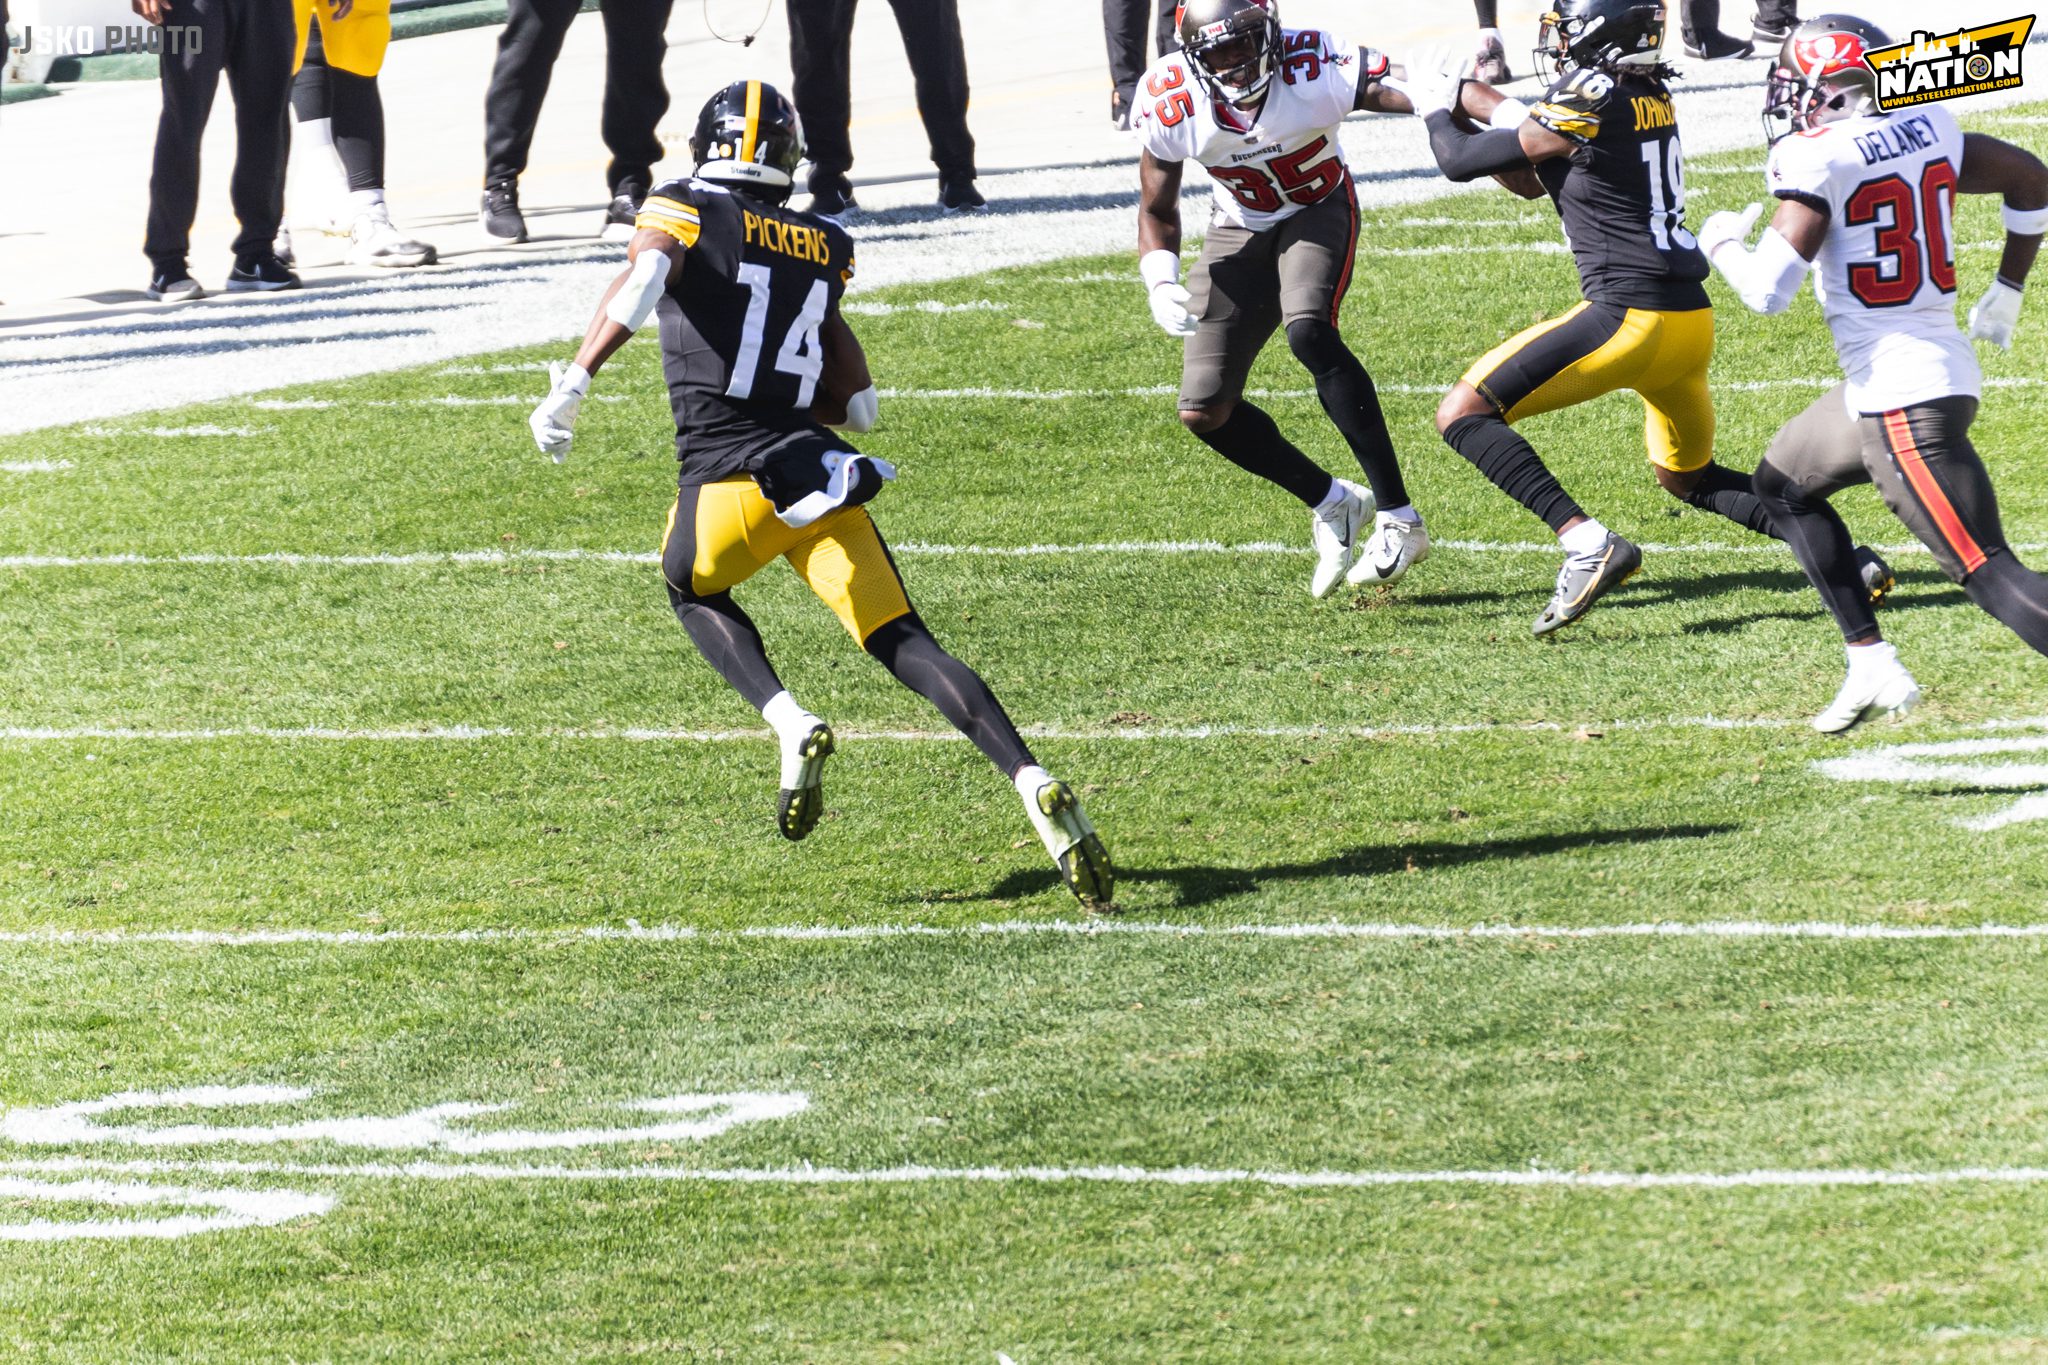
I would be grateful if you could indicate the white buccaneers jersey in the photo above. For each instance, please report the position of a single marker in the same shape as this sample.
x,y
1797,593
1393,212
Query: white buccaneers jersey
x,y
1886,274
1270,166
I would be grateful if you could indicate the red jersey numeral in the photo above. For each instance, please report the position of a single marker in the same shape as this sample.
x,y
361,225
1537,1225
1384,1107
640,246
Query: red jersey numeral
x,y
1304,54
1301,182
1907,255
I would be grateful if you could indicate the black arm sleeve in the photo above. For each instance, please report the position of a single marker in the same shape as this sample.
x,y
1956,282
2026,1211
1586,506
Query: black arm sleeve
x,y
1466,156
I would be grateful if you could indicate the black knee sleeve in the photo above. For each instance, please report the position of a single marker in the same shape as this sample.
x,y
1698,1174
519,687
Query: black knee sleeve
x,y
358,127
906,648
1352,402
1251,441
1498,451
1726,493
1822,545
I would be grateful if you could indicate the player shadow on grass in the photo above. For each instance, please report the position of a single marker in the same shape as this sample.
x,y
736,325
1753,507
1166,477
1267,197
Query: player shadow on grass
x,y
1918,590
1200,885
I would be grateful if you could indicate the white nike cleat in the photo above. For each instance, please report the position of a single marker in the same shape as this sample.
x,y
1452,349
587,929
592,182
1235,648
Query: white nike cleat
x,y
1073,843
374,240
1887,691
802,799
1395,547
1335,535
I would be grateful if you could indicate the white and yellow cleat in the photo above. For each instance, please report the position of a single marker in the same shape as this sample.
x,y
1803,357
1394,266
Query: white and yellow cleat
x,y
1335,532
1395,547
803,792
1069,837
1878,686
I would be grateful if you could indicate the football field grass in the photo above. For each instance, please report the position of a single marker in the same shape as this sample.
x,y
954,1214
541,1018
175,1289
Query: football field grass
x,y
399,951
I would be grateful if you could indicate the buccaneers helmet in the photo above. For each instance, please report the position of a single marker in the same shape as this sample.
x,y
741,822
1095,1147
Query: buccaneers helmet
x,y
1234,47
1821,76
1601,34
748,138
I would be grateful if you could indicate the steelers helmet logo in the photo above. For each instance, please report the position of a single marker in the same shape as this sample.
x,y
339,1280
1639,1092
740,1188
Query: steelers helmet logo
x,y
1978,67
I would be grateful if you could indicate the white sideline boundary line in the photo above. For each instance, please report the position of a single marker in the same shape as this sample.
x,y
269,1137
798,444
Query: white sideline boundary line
x,y
1186,1176
917,548
465,734
1157,932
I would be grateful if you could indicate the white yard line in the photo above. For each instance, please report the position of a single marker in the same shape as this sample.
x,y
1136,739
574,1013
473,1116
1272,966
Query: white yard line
x,y
912,548
1521,1177
33,466
1106,929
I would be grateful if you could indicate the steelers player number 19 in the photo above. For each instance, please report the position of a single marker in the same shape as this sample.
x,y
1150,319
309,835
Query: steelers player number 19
x,y
1664,159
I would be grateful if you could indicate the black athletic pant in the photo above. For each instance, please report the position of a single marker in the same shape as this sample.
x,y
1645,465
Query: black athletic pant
x,y
1124,24
252,41
635,98
821,44
352,103
1930,476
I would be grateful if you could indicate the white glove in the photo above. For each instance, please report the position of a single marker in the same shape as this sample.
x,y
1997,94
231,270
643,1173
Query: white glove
x,y
1996,315
1727,226
554,421
1170,310
1432,80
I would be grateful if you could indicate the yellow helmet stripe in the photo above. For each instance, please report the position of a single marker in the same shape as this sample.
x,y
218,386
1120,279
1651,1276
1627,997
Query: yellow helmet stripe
x,y
753,134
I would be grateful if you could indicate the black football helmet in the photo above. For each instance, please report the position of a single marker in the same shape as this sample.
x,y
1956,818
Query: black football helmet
x,y
1601,35
1821,75
748,138
1234,47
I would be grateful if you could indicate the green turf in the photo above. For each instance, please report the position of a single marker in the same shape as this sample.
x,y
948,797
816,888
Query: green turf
x,y
1465,775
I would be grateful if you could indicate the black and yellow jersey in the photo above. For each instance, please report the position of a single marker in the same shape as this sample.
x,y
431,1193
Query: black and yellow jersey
x,y
739,327
1621,192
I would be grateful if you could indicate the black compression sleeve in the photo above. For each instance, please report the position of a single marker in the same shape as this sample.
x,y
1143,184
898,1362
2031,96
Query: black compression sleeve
x,y
1466,156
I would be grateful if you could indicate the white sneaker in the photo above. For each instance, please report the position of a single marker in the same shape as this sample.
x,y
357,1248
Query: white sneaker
x,y
282,247
1335,535
802,799
1071,839
373,240
1396,546
1883,691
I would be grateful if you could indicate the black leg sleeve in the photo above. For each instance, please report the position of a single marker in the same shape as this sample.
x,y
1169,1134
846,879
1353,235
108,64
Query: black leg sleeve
x,y
635,96
262,42
1488,12
1254,444
723,633
938,67
1498,451
2014,595
820,39
906,648
1824,548
1348,396
1726,493
358,128
527,48
190,75
311,96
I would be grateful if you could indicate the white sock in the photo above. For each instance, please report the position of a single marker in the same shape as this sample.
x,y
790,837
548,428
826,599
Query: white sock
x,y
1331,500
362,201
1864,660
314,132
1404,512
1584,539
1029,779
1491,35
790,720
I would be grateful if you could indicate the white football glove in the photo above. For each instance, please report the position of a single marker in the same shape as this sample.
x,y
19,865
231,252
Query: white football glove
x,y
1996,315
554,421
1433,76
1170,310
1727,226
